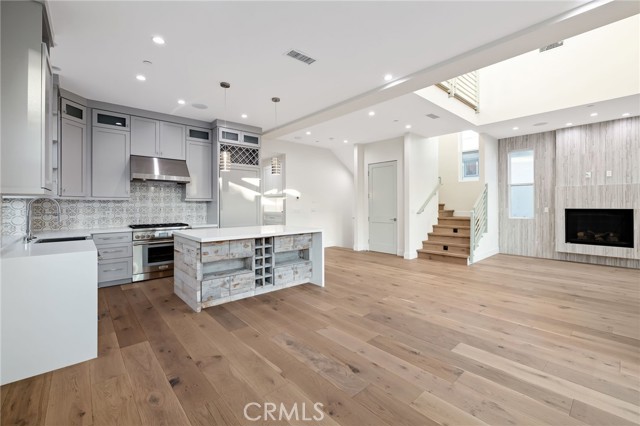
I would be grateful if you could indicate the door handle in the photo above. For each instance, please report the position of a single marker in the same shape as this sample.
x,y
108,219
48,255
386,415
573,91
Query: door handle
x,y
394,219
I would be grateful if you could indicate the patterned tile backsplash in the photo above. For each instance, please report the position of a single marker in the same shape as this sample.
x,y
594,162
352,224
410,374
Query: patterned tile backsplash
x,y
150,202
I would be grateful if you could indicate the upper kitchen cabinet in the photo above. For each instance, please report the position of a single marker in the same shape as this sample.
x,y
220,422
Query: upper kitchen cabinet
x,y
73,158
27,100
73,111
154,138
110,172
199,163
111,120
239,137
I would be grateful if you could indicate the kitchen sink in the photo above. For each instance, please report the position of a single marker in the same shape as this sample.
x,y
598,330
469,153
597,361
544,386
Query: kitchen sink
x,y
59,240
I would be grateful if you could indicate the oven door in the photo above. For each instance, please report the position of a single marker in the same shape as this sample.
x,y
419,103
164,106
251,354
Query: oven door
x,y
152,259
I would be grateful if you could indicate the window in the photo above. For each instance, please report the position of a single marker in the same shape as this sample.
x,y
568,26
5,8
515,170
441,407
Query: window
x,y
521,201
470,156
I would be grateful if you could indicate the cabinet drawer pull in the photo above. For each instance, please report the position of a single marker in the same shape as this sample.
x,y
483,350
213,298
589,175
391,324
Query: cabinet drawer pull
x,y
111,251
112,270
112,238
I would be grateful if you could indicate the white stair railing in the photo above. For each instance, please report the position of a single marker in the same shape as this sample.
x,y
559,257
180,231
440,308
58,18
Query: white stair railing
x,y
479,221
465,88
430,197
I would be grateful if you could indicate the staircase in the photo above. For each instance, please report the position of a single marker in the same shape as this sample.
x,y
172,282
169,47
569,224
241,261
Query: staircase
x,y
450,240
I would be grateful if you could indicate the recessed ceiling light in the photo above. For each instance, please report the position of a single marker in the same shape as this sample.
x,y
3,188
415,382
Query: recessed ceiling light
x,y
388,77
408,126
181,101
158,40
141,77
569,124
516,128
244,116
626,114
594,114
308,133
372,113
345,141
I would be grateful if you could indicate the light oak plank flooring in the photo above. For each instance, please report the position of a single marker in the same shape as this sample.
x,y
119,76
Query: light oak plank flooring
x,y
507,341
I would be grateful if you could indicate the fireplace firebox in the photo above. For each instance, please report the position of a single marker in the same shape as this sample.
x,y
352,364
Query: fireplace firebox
x,y
600,227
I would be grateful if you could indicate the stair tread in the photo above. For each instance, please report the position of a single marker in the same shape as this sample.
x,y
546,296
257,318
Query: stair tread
x,y
462,218
453,226
443,234
440,243
444,253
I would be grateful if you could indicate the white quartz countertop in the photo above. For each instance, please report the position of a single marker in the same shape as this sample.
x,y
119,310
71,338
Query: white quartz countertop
x,y
20,249
68,233
208,235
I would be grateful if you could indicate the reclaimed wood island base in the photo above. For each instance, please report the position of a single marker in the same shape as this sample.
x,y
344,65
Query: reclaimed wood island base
x,y
218,265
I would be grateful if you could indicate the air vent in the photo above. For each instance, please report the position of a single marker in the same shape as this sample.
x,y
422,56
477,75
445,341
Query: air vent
x,y
432,116
551,46
296,54
542,123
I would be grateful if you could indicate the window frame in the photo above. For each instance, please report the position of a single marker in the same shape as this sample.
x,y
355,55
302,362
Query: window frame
x,y
461,152
532,184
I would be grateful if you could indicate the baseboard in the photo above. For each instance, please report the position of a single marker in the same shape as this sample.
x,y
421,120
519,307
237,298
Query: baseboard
x,y
477,257
410,255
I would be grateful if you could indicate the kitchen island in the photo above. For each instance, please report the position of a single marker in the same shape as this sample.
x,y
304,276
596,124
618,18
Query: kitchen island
x,y
218,265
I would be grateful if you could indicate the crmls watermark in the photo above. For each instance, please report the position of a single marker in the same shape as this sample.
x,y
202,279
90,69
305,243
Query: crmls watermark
x,y
255,411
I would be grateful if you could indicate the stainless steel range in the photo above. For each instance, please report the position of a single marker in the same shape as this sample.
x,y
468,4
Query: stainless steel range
x,y
153,250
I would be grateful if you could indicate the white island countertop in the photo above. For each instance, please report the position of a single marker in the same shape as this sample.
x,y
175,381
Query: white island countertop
x,y
209,235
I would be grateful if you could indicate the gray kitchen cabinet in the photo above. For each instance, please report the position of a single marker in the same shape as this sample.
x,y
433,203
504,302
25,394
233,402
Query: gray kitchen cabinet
x,y
110,173
172,141
115,261
199,161
73,159
27,101
153,138
73,111
238,137
145,134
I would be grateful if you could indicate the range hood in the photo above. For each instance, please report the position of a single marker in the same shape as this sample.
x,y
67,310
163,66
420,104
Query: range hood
x,y
162,169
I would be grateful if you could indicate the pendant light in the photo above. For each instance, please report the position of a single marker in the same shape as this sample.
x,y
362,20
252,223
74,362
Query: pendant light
x,y
276,166
225,156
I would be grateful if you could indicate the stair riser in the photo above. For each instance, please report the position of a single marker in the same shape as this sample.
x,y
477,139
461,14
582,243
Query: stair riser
x,y
444,239
453,221
444,258
441,247
441,230
440,206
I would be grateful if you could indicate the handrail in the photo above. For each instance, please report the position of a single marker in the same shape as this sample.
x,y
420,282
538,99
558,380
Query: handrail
x,y
479,221
433,193
465,88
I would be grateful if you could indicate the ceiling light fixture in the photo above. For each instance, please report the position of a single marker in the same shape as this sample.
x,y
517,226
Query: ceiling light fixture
x,y
244,116
181,101
225,156
372,113
516,128
345,141
308,133
408,126
594,114
158,40
569,124
626,114
141,77
388,77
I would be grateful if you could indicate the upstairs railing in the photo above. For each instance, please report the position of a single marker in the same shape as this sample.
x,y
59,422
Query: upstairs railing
x,y
478,221
430,197
464,88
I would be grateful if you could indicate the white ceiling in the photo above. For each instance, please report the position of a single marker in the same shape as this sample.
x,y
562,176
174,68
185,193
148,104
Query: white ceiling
x,y
100,46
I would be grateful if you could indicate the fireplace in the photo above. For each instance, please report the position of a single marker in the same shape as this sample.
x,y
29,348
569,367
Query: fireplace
x,y
599,227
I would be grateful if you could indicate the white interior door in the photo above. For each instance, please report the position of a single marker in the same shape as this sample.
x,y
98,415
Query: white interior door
x,y
240,192
383,221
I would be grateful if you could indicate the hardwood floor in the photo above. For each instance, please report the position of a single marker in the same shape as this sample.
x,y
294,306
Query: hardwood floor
x,y
507,341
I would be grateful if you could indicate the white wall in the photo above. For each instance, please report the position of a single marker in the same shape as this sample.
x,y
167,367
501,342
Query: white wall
x,y
420,177
370,153
598,65
455,194
326,190
489,244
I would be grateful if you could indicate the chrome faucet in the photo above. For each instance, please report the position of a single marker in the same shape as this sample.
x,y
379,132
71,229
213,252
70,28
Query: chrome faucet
x,y
29,237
